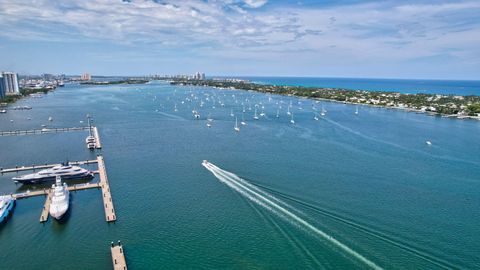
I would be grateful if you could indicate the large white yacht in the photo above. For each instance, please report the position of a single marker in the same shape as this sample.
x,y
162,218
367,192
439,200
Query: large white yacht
x,y
6,206
60,199
67,172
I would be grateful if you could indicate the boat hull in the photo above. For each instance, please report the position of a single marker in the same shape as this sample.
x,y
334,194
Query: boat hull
x,y
7,211
83,176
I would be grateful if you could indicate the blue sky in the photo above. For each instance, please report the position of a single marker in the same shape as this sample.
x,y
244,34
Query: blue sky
x,y
376,39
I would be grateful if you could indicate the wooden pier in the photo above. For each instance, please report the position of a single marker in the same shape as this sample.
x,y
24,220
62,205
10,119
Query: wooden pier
x,y
46,207
118,257
41,131
106,194
45,166
98,143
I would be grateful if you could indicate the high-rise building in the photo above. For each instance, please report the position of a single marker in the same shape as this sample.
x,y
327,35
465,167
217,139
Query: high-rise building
x,y
2,89
10,83
86,77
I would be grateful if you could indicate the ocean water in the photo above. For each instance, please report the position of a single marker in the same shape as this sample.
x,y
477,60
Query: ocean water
x,y
444,87
369,181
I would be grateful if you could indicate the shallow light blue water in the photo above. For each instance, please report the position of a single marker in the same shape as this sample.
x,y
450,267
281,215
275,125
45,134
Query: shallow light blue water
x,y
368,180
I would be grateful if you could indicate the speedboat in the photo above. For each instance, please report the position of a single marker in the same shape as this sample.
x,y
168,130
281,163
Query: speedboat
x,y
6,206
60,199
67,172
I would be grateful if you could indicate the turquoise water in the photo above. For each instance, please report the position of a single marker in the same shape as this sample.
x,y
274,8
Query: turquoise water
x,y
444,87
368,180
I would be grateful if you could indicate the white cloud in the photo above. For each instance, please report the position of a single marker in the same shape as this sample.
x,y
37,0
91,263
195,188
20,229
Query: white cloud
x,y
380,31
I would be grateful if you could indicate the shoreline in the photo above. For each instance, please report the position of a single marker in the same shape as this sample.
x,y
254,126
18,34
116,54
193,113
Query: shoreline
x,y
390,99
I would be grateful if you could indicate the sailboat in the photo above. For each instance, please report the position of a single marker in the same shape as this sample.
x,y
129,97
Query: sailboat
x,y
262,113
255,116
356,111
243,123
278,113
315,117
323,111
209,124
236,127
175,108
231,113
291,119
288,110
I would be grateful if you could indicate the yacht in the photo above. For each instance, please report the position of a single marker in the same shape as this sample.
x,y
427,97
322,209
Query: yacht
x,y
67,172
60,199
6,206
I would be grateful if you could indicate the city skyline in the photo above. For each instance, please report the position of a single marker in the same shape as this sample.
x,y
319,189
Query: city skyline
x,y
370,39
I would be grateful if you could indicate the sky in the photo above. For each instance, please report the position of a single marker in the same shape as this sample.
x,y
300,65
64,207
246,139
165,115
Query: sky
x,y
425,39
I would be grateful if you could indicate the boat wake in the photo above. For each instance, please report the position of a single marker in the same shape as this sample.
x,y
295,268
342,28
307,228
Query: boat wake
x,y
280,208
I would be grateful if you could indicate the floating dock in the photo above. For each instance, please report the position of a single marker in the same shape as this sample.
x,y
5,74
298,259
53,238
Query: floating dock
x,y
98,143
44,166
106,194
41,131
46,207
118,257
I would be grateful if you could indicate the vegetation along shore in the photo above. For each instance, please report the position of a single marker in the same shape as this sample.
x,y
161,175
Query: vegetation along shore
x,y
445,105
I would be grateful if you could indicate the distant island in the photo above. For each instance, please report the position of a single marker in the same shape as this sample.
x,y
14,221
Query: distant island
x,y
130,81
445,105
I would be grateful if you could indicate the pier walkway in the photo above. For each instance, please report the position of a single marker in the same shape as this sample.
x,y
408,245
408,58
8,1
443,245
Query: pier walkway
x,y
41,131
98,143
106,194
118,257
46,207
45,166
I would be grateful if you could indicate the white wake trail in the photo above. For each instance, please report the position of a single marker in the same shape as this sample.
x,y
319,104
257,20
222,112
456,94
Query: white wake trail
x,y
241,186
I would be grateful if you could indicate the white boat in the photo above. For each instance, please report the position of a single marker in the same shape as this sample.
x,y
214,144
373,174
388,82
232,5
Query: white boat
x,y
50,118
231,113
60,199
3,111
428,142
291,119
243,123
65,171
356,111
278,113
236,127
255,116
315,117
323,111
208,124
175,108
288,110
6,205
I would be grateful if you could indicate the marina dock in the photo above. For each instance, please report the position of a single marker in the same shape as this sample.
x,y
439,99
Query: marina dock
x,y
46,207
103,184
118,257
106,194
45,166
41,131
98,143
